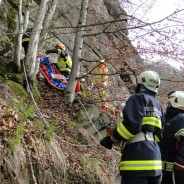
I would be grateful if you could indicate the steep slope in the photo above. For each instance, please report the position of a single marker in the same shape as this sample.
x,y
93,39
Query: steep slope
x,y
42,141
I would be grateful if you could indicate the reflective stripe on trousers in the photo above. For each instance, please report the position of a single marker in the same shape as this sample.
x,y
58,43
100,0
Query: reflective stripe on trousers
x,y
139,165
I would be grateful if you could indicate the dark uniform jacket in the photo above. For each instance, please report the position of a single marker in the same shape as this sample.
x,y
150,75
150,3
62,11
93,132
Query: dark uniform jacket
x,y
142,113
26,38
172,144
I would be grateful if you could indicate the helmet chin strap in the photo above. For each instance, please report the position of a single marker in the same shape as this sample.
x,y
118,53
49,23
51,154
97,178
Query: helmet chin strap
x,y
139,88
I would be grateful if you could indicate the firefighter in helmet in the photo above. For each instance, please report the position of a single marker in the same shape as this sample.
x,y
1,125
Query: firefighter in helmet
x,y
64,63
139,132
172,144
100,82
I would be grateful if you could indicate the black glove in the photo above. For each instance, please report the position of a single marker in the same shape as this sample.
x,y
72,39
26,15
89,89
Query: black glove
x,y
107,142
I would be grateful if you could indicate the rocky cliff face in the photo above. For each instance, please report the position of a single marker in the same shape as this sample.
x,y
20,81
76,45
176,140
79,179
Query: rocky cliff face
x,y
111,43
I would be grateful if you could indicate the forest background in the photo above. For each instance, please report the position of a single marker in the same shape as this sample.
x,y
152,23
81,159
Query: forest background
x,y
52,137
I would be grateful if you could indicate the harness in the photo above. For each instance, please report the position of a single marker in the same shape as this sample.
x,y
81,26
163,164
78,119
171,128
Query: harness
x,y
147,136
167,166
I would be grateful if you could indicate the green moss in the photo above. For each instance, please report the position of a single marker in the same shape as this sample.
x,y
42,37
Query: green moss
x,y
18,133
18,89
39,126
72,140
7,71
74,176
8,18
10,15
72,124
6,44
51,131
17,80
11,142
36,92
27,113
90,163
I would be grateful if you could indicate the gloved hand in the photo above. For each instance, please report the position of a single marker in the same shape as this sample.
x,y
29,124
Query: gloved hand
x,y
107,142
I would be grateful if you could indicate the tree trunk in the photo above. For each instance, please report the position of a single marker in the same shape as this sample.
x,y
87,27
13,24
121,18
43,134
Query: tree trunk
x,y
70,91
31,62
46,25
26,15
19,38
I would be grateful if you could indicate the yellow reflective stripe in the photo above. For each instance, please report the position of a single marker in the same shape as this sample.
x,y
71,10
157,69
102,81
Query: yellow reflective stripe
x,y
124,132
25,39
150,120
157,139
179,133
141,165
65,69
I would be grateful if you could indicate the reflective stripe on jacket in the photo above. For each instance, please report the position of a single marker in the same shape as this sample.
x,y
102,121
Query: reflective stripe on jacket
x,y
150,120
64,63
25,39
142,113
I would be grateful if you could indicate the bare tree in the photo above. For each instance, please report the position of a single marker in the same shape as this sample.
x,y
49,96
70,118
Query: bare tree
x,y
23,22
19,37
47,22
26,15
31,61
70,91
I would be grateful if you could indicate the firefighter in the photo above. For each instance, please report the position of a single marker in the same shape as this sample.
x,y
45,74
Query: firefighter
x,y
64,63
172,144
26,39
101,82
139,132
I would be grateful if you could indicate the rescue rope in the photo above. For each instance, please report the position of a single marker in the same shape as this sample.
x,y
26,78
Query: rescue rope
x,y
179,165
41,115
32,97
113,150
89,117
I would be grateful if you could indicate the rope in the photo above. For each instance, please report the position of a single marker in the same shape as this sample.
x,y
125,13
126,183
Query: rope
x,y
40,113
89,117
32,97
112,154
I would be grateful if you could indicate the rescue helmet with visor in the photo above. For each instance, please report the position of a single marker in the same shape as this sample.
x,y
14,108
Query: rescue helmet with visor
x,y
150,80
176,98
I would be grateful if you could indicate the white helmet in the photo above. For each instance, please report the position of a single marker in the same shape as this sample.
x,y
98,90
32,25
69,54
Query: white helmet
x,y
177,99
150,80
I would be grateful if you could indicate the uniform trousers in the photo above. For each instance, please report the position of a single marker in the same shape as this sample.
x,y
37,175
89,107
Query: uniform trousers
x,y
141,180
167,178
